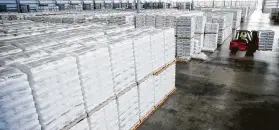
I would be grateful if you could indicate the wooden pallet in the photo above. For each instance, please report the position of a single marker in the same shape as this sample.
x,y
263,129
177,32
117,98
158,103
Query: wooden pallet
x,y
161,69
182,60
154,109
74,122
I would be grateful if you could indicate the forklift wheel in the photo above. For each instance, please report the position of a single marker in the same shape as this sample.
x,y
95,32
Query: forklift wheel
x,y
234,50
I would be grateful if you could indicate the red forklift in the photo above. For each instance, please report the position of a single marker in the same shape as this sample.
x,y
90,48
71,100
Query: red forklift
x,y
249,44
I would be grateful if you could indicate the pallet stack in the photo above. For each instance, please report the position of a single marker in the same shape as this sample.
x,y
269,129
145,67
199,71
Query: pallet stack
x,y
171,21
128,107
123,66
163,83
17,105
199,32
24,28
236,16
143,56
169,41
140,20
210,37
266,40
184,36
161,21
225,21
21,57
105,116
157,49
93,80
59,101
150,20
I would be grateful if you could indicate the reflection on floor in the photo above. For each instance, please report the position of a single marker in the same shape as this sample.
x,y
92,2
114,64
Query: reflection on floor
x,y
222,94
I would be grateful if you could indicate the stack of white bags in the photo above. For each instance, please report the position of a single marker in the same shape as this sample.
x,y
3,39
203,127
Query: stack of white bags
x,y
161,21
157,49
143,56
9,49
89,82
184,33
224,20
199,34
123,65
197,47
266,40
105,117
236,16
95,75
22,57
56,89
18,110
185,26
169,45
164,83
139,20
170,21
146,96
184,48
210,37
128,106
150,20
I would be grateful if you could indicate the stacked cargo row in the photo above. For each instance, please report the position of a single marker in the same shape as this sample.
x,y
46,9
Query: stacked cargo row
x,y
85,78
225,22
100,17
190,26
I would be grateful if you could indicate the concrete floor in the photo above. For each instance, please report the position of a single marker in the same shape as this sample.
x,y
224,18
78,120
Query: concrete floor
x,y
217,95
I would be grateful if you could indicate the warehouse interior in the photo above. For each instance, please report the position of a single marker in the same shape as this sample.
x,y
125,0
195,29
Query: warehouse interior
x,y
215,95
157,65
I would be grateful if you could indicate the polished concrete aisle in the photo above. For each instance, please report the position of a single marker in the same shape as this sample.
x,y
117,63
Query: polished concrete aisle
x,y
219,94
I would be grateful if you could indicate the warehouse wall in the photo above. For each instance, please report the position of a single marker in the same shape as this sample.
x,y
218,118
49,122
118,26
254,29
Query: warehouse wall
x,y
10,4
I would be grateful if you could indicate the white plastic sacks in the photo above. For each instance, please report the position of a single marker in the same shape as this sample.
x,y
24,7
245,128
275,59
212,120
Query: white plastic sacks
x,y
105,117
18,110
123,65
95,75
142,53
146,96
56,89
128,107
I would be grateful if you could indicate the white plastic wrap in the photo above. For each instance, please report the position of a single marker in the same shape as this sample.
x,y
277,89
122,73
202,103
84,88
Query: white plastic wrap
x,y
211,28
142,53
18,110
184,48
200,39
210,42
56,89
95,74
123,65
169,44
128,106
22,57
146,96
185,26
9,49
150,20
105,118
164,83
266,39
158,49
161,21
